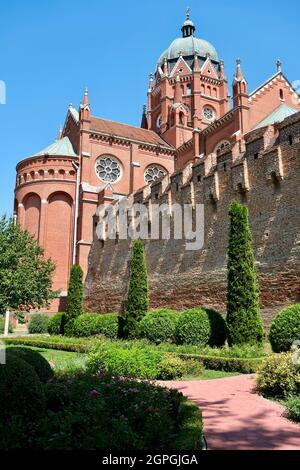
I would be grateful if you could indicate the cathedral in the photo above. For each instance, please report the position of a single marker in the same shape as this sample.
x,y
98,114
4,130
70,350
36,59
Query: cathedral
x,y
192,116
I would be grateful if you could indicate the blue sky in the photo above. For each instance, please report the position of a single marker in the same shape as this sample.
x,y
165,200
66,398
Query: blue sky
x,y
51,49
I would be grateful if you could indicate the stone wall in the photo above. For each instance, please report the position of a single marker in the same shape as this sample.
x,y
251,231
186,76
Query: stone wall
x,y
267,178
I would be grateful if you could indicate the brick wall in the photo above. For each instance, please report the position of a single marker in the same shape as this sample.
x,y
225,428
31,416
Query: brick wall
x,y
268,181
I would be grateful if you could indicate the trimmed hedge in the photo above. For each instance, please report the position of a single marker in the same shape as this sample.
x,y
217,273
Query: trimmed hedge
x,y
159,325
56,324
90,324
226,364
136,363
36,360
38,323
285,329
21,391
200,326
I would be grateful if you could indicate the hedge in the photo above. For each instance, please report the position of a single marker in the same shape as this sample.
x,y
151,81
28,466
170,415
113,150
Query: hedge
x,y
38,323
56,324
90,324
36,360
159,325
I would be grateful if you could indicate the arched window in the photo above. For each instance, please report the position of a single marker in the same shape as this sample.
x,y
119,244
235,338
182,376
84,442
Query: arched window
x,y
189,89
154,172
221,146
281,94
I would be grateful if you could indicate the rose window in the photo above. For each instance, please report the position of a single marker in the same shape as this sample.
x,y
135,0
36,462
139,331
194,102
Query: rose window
x,y
108,169
208,113
153,173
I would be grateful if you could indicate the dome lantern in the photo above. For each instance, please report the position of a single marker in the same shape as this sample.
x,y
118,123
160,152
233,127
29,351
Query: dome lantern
x,y
188,27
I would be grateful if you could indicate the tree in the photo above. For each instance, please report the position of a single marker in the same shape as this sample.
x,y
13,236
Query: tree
x,y
138,291
244,323
25,275
75,293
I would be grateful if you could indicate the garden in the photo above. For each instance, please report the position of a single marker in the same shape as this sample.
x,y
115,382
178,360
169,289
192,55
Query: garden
x,y
90,380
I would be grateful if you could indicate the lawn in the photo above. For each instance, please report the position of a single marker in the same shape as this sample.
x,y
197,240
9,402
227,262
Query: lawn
x,y
64,360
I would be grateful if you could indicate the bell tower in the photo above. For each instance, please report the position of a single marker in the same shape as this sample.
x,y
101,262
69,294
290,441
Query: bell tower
x,y
189,89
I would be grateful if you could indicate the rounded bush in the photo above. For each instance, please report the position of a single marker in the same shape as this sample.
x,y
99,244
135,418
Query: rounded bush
x,y
193,327
21,391
159,325
171,367
278,376
38,323
35,359
2,326
285,329
90,324
218,330
56,324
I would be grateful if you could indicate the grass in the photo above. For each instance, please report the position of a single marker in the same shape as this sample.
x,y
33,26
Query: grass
x,y
64,360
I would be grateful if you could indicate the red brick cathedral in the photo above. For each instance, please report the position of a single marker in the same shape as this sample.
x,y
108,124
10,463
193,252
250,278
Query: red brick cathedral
x,y
189,117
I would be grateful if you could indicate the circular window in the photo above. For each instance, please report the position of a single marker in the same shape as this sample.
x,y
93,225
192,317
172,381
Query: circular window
x,y
208,113
153,173
108,169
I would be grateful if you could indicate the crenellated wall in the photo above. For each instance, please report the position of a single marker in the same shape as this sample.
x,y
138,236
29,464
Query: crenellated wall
x,y
266,176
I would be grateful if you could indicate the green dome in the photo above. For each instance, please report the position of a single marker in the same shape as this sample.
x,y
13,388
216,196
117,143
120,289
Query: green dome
x,y
188,47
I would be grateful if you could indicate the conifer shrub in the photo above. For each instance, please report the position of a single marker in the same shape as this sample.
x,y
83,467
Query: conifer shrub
x,y
244,323
38,323
36,360
75,293
285,329
56,324
159,325
138,291
21,391
193,327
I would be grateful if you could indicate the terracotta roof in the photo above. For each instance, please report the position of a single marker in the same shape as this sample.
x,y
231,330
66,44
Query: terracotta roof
x,y
124,130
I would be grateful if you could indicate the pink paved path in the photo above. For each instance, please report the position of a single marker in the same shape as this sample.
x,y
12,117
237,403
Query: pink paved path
x,y
236,418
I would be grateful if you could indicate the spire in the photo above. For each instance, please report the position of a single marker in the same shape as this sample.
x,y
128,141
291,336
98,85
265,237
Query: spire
x,y
144,123
86,96
239,76
279,65
222,72
188,27
60,133
150,83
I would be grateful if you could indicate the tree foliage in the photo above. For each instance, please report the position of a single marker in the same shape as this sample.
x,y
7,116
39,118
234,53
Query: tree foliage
x,y
244,323
25,275
75,293
138,291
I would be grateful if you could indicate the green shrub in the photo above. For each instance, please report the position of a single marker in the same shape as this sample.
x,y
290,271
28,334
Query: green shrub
x,y
193,327
217,328
159,325
170,366
88,412
285,329
21,391
278,376
38,323
90,324
244,323
293,407
75,293
56,324
138,291
36,360
143,363
2,325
